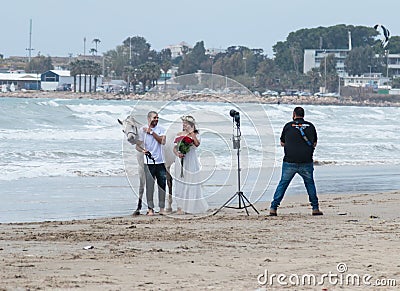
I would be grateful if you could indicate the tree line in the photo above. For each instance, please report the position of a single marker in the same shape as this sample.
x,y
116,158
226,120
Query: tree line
x,y
137,63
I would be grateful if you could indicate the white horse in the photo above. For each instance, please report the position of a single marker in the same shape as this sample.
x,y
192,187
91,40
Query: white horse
x,y
130,126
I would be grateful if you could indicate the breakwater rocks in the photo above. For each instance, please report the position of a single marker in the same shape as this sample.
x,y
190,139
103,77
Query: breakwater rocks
x,y
373,100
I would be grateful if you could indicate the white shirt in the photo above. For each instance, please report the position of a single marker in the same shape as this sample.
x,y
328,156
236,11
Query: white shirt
x,y
152,145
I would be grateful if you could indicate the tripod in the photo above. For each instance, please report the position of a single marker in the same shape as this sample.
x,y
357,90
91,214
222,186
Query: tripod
x,y
236,145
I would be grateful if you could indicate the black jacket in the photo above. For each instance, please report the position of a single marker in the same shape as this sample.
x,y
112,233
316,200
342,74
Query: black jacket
x,y
297,150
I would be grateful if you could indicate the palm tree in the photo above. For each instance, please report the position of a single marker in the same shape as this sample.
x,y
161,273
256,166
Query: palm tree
x,y
155,72
96,71
73,71
86,72
76,69
128,75
166,64
87,68
93,51
90,66
96,42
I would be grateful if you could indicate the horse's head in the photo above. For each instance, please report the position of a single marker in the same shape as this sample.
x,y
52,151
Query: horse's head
x,y
130,128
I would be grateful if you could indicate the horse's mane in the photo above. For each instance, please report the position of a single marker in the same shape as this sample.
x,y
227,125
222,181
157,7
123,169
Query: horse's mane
x,y
132,120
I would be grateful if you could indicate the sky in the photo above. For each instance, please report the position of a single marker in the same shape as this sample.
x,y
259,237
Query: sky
x,y
59,26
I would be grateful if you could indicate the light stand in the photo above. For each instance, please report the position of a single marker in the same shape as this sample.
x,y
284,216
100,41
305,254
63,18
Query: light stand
x,y
236,145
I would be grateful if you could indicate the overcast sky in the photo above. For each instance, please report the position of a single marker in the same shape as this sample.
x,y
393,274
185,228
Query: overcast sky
x,y
59,26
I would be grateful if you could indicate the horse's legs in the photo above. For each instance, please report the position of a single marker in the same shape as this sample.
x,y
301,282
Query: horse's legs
x,y
142,183
169,183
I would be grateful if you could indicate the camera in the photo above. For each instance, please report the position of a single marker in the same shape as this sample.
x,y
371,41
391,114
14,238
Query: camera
x,y
235,115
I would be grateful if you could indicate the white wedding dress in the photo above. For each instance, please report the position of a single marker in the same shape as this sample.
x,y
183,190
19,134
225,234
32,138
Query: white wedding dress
x,y
188,194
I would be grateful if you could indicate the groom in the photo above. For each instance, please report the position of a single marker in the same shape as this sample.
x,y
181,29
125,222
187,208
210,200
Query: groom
x,y
151,140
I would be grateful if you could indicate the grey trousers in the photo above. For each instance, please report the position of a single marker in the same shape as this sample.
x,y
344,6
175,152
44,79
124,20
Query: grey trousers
x,y
155,172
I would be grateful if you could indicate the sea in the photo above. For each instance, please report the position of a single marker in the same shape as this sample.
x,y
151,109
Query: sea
x,y
68,159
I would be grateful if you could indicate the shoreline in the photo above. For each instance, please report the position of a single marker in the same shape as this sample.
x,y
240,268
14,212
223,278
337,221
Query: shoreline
x,y
110,196
226,251
379,101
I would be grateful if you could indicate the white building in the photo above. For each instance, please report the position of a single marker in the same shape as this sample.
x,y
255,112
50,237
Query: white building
x,y
314,57
62,80
177,49
214,51
55,78
20,80
375,80
393,62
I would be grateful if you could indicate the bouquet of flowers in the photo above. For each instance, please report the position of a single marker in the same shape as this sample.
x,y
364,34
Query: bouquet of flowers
x,y
183,143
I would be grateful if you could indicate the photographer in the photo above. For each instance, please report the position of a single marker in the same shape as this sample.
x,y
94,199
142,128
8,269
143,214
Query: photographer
x,y
299,139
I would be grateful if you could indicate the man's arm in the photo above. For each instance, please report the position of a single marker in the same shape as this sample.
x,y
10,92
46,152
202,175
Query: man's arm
x,y
282,138
315,137
139,147
159,138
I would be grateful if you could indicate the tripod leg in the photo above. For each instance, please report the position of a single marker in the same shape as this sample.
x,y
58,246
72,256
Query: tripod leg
x,y
241,200
226,203
250,204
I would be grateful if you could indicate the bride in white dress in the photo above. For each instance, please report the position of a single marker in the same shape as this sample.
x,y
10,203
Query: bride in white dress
x,y
188,194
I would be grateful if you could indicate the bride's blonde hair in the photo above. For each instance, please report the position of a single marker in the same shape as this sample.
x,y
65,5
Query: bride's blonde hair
x,y
190,119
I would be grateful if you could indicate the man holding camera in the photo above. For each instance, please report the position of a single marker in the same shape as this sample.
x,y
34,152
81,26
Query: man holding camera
x,y
299,139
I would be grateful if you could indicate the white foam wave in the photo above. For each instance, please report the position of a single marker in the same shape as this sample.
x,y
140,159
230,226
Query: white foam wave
x,y
51,103
91,133
37,168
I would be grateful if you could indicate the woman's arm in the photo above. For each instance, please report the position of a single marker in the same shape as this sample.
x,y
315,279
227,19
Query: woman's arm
x,y
193,136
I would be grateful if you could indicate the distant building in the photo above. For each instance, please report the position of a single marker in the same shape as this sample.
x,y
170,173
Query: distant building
x,y
53,79
214,51
20,81
178,49
375,80
166,76
393,61
62,80
314,57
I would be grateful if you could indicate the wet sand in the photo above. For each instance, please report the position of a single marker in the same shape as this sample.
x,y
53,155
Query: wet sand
x,y
226,251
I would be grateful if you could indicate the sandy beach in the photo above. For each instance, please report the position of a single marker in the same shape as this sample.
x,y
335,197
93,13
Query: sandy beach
x,y
358,235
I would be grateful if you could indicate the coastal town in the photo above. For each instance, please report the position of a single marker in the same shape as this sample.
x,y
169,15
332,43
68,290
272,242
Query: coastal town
x,y
314,75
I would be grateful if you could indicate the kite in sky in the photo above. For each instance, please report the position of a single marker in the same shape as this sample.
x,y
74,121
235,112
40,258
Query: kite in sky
x,y
385,34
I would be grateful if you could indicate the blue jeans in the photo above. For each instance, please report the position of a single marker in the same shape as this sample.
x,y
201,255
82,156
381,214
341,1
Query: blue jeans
x,y
306,171
155,172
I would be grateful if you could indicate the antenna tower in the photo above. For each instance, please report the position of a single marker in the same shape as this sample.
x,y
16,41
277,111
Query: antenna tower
x,y
30,49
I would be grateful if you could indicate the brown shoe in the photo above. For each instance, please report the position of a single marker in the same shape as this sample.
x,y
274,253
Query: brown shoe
x,y
272,212
317,212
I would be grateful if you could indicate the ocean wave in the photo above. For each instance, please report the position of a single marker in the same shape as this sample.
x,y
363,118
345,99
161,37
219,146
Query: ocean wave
x,y
59,155
108,169
99,173
51,103
82,137
38,169
86,132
